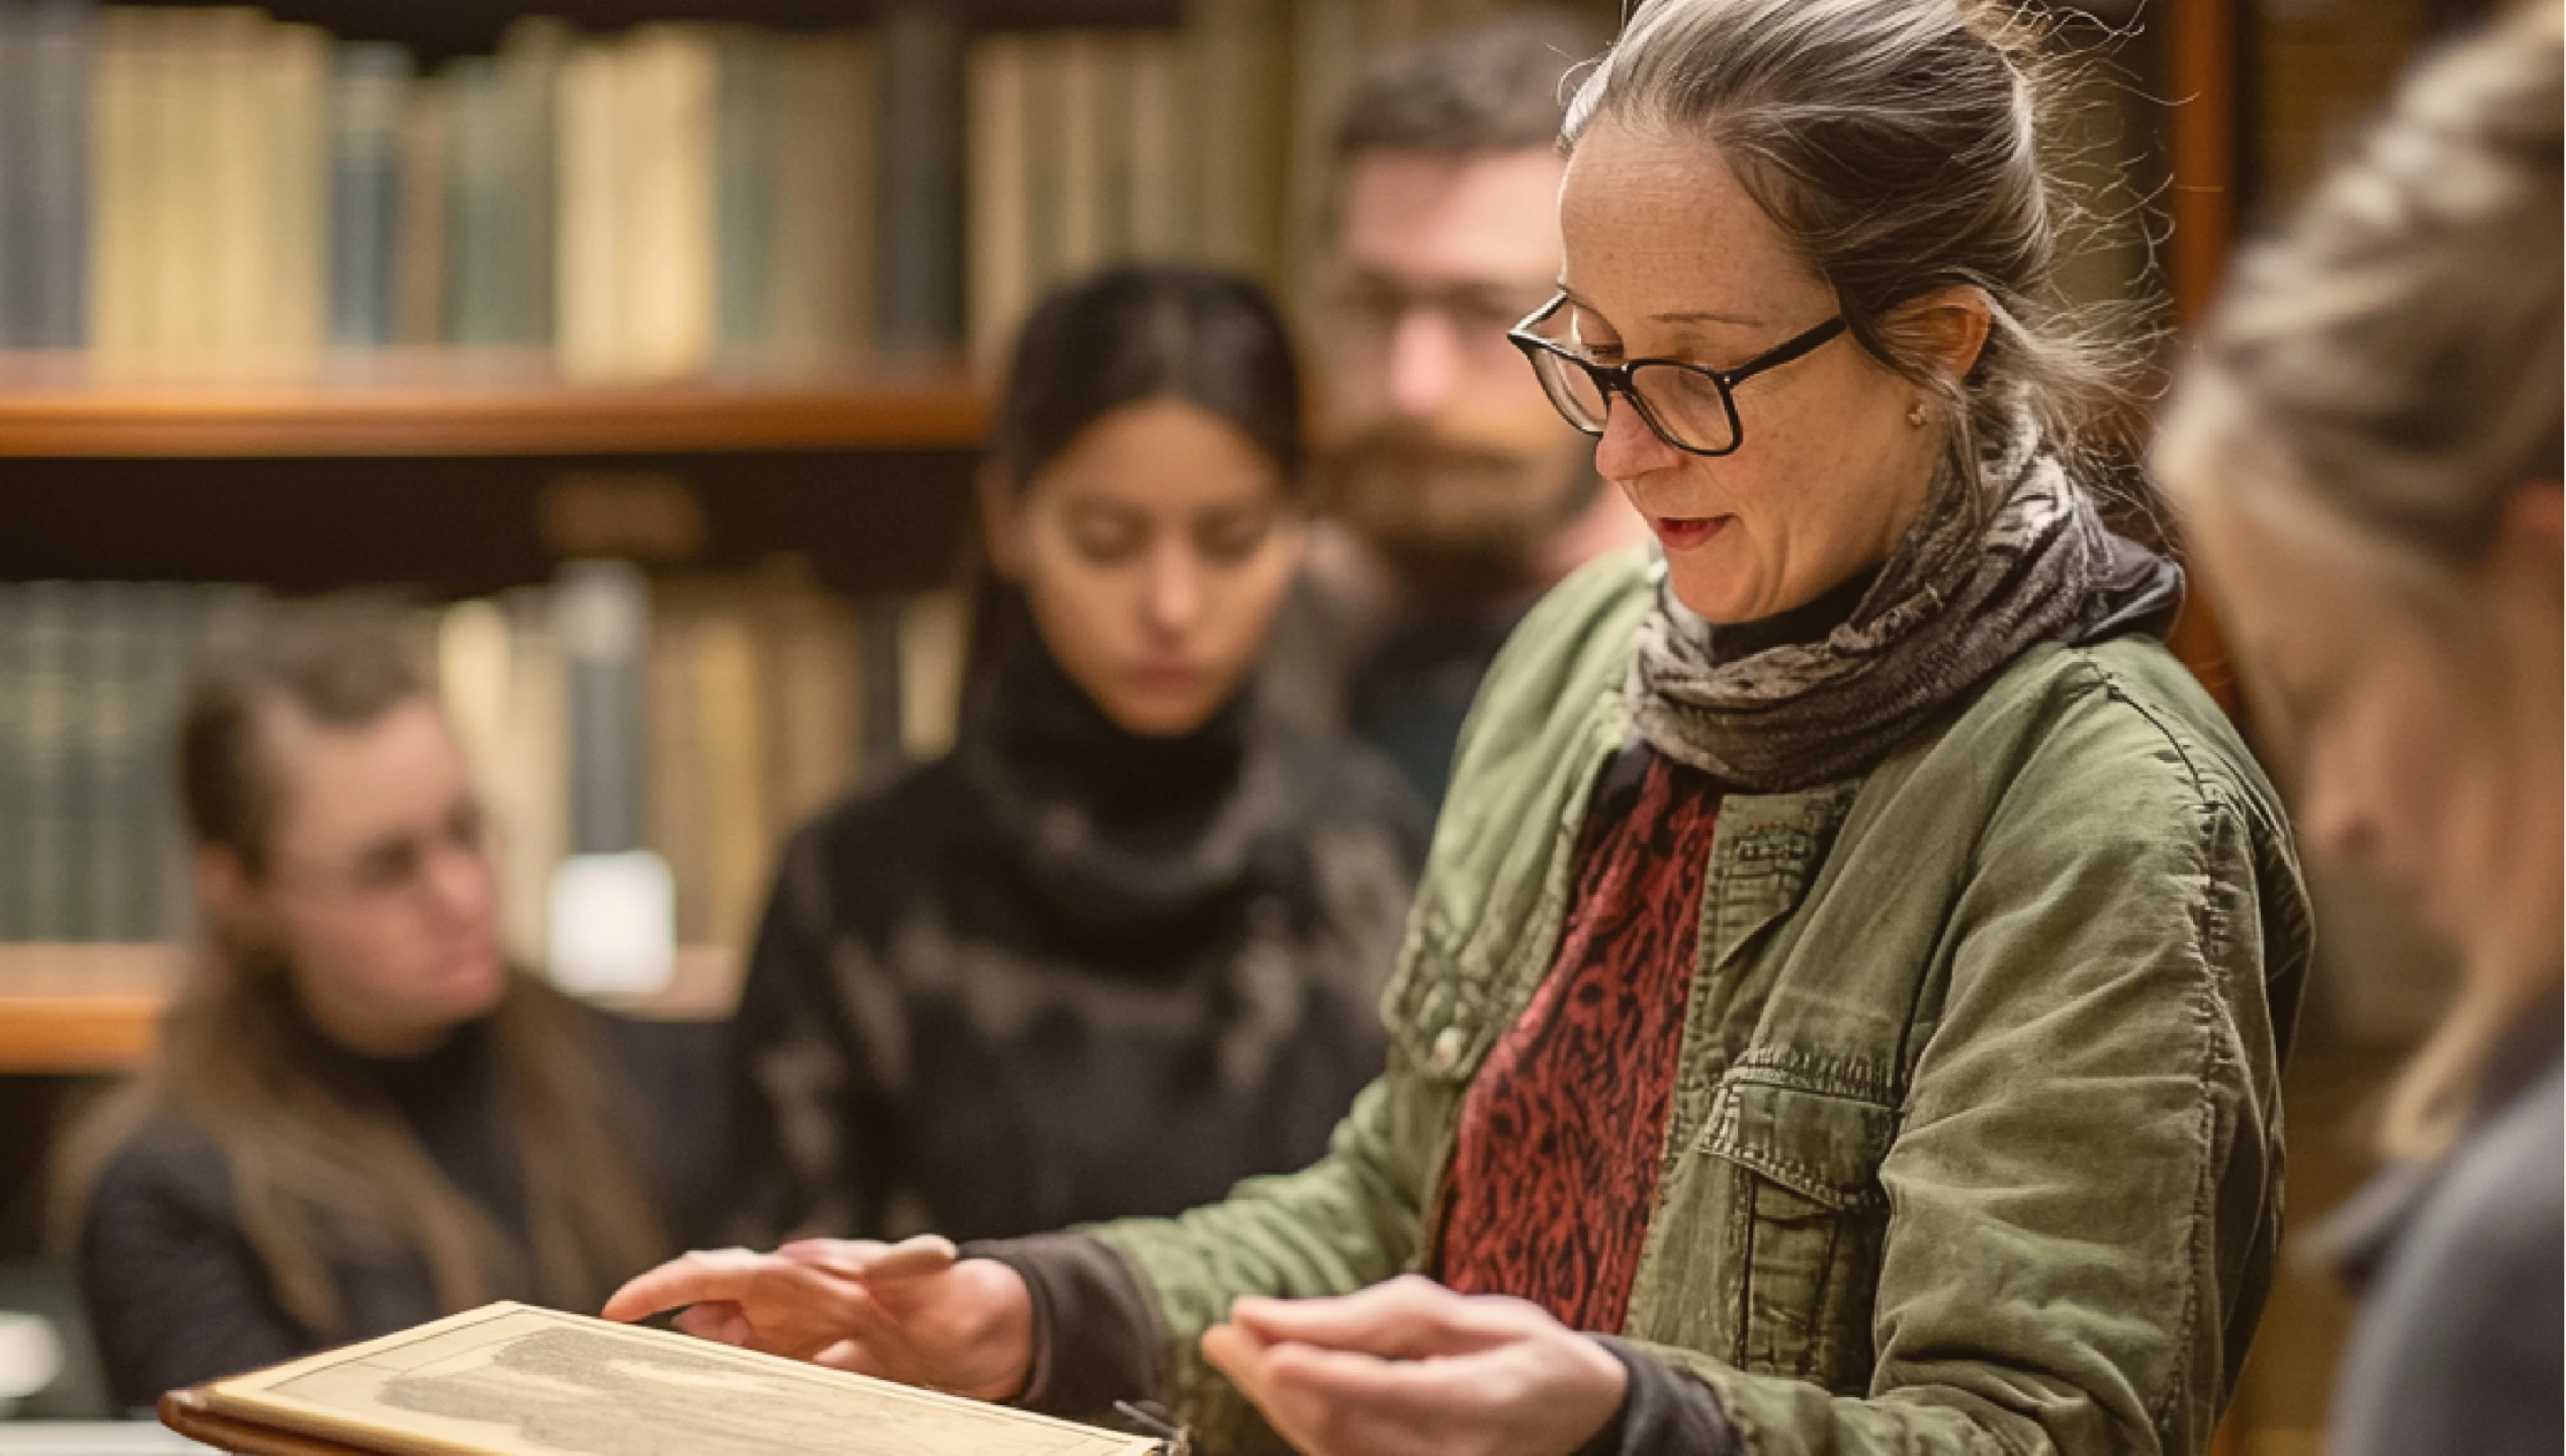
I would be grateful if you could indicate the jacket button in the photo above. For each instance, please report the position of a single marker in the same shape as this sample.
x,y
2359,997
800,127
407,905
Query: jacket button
x,y
1447,1049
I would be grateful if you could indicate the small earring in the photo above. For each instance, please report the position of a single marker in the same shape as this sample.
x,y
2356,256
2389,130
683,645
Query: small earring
x,y
1915,414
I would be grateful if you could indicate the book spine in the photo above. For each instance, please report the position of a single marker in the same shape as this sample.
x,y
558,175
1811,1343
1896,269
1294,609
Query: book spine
x,y
587,286
1157,144
294,144
419,246
728,694
17,209
670,224
176,614
1079,125
1001,190
115,163
822,301
480,299
57,159
1239,116
935,636
111,730
679,792
529,60
920,308
46,842
17,804
533,786
219,251
370,86
815,703
748,136
603,610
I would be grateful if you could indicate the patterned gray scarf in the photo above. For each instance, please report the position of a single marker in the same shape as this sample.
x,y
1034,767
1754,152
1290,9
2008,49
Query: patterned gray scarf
x,y
1954,605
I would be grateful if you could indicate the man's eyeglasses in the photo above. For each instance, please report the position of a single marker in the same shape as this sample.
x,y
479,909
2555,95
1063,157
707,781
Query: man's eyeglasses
x,y
1690,406
1369,310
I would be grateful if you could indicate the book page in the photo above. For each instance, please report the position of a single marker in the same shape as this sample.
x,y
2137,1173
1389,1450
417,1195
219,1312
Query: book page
x,y
509,1380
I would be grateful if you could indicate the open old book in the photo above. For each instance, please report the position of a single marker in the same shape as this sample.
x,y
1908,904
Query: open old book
x,y
510,1380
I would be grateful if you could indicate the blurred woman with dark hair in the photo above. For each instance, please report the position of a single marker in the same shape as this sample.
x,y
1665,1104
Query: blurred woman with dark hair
x,y
361,1116
1122,947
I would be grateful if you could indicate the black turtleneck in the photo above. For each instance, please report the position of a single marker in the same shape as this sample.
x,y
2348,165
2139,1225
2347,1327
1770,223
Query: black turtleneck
x,y
1810,621
1069,972
175,1294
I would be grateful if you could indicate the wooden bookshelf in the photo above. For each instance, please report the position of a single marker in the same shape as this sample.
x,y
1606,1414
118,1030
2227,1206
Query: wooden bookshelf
x,y
51,409
67,1010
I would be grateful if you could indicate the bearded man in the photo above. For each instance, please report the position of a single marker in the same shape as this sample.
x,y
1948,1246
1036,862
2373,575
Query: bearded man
x,y
1454,495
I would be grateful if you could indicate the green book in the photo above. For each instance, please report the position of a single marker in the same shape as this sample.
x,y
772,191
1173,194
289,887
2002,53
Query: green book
x,y
480,228
921,214
47,849
16,919
748,135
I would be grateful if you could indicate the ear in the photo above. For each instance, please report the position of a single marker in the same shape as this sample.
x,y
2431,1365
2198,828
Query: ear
x,y
2533,531
224,887
1947,326
2537,511
1002,522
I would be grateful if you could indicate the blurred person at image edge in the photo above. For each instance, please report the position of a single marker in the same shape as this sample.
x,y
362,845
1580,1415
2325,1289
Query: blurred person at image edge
x,y
361,1116
2368,447
1121,948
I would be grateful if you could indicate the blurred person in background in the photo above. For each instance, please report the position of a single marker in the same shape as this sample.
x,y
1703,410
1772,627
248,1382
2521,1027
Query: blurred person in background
x,y
2369,447
1452,495
1122,946
1845,1006
361,1116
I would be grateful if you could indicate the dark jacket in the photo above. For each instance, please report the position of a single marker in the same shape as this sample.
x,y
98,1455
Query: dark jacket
x,y
1065,973
2458,1346
176,1295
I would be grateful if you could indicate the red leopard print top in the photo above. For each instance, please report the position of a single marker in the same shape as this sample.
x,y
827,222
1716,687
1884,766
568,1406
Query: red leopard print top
x,y
1555,1175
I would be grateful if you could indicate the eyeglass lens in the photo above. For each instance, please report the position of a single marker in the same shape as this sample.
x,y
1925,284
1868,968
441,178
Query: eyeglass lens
x,y
1685,405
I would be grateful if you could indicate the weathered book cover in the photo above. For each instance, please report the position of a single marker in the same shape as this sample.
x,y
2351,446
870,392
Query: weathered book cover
x,y
510,1380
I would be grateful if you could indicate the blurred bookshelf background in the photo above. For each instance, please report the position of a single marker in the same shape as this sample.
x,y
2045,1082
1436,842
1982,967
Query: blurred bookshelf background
x,y
683,311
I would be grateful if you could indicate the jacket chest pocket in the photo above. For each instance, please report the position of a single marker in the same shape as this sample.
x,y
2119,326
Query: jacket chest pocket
x,y
1809,1220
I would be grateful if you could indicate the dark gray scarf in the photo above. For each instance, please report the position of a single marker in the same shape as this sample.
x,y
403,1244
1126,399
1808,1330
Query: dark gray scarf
x,y
1955,603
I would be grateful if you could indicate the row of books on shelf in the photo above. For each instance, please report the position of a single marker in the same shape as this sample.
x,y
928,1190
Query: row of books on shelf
x,y
701,718
205,191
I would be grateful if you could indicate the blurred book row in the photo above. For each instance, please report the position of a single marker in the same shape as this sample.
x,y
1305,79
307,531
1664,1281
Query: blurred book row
x,y
202,191
701,718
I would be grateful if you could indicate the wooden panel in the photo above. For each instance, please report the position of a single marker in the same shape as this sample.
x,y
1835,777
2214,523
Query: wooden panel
x,y
871,522
47,413
83,1009
2201,72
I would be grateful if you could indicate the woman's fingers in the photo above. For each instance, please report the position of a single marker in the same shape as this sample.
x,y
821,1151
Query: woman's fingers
x,y
704,1276
1338,1403
720,1321
1419,1370
864,1258
1406,1318
855,1356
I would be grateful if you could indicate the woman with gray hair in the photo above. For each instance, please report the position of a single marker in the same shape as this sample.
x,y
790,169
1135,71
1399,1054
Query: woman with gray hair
x,y
2369,447
1843,1010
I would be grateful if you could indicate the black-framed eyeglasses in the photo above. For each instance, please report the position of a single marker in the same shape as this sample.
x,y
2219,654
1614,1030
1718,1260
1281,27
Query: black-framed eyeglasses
x,y
1690,406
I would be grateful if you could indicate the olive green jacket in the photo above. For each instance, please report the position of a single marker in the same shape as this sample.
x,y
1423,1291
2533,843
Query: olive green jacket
x,y
1975,1141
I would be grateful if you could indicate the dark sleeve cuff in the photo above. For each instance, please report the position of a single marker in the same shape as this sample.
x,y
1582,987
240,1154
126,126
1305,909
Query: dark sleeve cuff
x,y
1096,1329
1664,1411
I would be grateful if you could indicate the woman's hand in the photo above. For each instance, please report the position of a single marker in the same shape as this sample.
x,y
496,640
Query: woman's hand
x,y
909,1312
1410,1368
